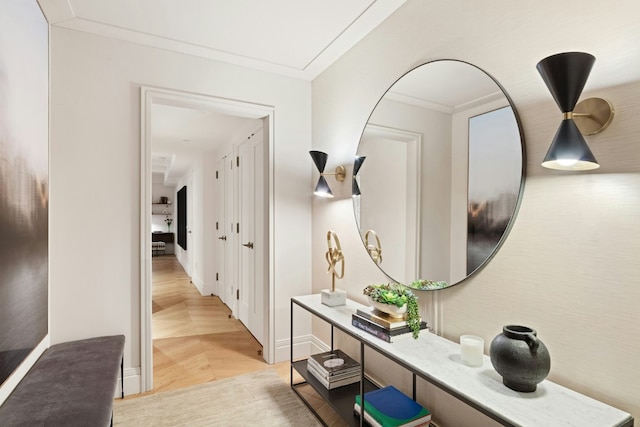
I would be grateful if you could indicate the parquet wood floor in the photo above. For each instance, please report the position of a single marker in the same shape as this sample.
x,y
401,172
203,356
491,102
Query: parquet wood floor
x,y
196,340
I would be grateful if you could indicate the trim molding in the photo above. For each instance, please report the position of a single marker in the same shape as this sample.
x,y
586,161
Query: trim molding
x,y
148,97
18,374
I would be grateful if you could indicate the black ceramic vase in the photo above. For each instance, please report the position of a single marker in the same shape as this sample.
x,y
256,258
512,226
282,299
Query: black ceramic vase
x,y
520,357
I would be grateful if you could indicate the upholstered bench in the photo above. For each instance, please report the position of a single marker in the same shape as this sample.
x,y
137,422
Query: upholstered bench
x,y
71,384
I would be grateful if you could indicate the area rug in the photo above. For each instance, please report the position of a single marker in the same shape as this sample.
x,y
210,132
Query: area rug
x,y
256,399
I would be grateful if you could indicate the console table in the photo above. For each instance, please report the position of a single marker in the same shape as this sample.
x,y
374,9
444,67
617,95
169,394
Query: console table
x,y
436,360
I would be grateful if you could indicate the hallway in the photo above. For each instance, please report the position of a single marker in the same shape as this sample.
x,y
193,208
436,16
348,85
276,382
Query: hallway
x,y
195,340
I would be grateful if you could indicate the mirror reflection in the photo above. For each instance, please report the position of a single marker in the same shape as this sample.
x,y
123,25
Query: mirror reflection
x,y
443,174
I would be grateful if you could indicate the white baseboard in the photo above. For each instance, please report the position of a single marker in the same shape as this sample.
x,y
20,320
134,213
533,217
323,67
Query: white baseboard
x,y
132,380
303,346
199,284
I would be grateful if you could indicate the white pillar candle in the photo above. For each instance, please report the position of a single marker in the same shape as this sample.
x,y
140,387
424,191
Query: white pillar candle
x,y
471,350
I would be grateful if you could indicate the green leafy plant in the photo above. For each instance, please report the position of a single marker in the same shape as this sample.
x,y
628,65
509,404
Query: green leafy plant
x,y
397,294
424,284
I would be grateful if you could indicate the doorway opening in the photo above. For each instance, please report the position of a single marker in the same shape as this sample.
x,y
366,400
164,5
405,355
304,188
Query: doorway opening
x,y
196,339
196,260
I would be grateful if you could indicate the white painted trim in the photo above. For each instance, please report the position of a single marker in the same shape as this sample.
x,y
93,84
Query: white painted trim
x,y
146,182
153,95
131,383
303,346
199,284
414,143
270,351
60,13
429,105
18,374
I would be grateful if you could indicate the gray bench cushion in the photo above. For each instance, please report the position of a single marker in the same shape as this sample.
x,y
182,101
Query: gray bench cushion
x,y
72,384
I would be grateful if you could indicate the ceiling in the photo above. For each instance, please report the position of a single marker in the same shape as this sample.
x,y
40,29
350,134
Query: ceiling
x,y
181,135
290,37
294,38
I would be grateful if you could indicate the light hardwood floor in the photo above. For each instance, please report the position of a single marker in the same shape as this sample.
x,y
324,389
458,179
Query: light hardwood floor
x,y
196,340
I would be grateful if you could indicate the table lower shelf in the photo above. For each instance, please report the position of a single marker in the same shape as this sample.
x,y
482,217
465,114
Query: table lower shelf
x,y
341,399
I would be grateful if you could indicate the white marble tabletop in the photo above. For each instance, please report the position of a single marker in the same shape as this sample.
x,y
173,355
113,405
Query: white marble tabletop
x,y
438,360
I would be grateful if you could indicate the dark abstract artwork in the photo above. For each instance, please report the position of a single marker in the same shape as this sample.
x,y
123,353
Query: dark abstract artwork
x,y
182,218
24,181
495,166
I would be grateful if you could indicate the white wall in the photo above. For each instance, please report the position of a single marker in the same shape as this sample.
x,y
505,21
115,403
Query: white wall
x,y
570,265
434,127
95,179
187,257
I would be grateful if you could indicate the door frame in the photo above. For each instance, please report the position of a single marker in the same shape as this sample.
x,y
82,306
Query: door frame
x,y
153,95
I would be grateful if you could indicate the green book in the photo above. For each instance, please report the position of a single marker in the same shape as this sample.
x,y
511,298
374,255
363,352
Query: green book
x,y
389,407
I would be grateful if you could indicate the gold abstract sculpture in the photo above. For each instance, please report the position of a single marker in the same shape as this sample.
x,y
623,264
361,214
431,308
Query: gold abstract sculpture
x,y
333,297
334,256
375,250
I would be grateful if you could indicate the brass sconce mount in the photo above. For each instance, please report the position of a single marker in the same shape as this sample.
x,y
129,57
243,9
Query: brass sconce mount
x,y
340,173
593,115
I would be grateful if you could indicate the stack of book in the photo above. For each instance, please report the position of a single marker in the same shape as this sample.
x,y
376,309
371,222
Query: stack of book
x,y
389,407
334,368
381,324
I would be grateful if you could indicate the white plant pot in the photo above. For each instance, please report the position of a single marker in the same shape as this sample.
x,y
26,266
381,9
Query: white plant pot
x,y
391,309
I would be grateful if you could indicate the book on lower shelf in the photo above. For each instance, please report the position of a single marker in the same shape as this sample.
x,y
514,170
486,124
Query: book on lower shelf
x,y
333,368
389,407
331,382
380,331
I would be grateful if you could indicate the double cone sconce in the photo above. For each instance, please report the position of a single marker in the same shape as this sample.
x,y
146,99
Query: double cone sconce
x,y
565,75
355,188
320,160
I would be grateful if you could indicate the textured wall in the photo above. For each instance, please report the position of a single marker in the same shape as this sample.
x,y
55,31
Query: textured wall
x,y
569,267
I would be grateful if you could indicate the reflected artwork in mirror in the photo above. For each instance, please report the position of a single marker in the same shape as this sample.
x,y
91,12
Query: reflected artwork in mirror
x,y
444,174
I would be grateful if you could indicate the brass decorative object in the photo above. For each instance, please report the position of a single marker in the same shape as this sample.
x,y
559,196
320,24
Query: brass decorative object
x,y
375,250
593,115
334,257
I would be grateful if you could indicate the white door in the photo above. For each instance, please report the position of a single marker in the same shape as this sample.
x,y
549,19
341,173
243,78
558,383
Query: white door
x,y
222,280
190,209
231,242
251,234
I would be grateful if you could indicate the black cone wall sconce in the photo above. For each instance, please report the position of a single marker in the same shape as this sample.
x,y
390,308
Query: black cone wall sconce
x,y
355,188
320,160
565,75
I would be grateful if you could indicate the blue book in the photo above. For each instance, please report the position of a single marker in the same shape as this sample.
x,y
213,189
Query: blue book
x,y
389,407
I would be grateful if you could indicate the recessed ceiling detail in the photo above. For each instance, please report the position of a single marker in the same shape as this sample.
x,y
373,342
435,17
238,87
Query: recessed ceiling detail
x,y
180,136
290,37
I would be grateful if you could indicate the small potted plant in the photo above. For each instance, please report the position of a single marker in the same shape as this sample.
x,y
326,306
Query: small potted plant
x,y
397,300
169,221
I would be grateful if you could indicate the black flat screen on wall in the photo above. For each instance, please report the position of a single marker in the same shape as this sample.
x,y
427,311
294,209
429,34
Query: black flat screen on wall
x,y
182,218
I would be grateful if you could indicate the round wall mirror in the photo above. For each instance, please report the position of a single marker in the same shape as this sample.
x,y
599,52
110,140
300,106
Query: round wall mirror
x,y
439,174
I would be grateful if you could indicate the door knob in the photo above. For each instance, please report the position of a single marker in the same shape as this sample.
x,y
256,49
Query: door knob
x,y
222,238
248,245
